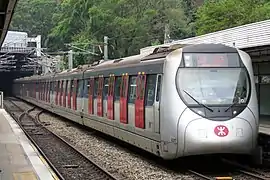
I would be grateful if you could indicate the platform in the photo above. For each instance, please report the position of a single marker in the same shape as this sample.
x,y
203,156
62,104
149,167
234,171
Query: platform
x,y
19,159
264,125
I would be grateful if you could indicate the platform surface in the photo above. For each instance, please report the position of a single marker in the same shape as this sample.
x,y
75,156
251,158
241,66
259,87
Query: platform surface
x,y
19,159
264,125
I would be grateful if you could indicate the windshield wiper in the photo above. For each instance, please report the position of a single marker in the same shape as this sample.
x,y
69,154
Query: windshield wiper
x,y
199,102
230,106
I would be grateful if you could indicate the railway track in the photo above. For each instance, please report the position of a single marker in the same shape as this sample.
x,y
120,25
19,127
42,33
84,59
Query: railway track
x,y
227,170
67,162
224,169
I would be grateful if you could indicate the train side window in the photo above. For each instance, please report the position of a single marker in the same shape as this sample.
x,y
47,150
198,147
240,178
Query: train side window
x,y
86,88
63,87
117,88
60,88
158,88
75,86
66,89
55,86
71,87
80,89
150,90
95,87
51,87
106,88
142,90
132,89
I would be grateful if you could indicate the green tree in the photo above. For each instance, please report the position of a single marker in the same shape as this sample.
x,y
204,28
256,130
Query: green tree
x,y
34,17
129,24
217,15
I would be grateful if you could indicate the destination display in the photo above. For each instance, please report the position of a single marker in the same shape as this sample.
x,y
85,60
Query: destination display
x,y
211,60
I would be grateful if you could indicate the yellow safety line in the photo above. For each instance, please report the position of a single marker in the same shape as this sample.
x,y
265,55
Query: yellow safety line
x,y
24,176
223,178
45,162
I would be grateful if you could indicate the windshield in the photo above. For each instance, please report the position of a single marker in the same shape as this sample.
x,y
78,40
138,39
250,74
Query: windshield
x,y
213,86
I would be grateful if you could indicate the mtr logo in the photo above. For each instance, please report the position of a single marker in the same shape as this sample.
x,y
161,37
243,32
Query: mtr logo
x,y
221,131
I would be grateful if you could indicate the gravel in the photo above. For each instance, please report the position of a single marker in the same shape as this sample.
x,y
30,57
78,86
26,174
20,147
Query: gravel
x,y
117,160
114,158
70,163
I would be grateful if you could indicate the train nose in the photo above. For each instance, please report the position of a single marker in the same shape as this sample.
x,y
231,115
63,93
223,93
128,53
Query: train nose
x,y
204,137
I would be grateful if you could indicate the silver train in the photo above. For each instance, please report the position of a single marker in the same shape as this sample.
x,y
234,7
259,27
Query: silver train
x,y
178,101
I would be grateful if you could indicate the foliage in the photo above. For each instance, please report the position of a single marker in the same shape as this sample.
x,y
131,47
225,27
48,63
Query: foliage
x,y
34,17
129,24
217,15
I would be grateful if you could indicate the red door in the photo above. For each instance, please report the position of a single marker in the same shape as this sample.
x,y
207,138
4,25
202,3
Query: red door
x,y
123,99
69,93
65,93
110,103
90,96
74,94
60,92
139,101
56,92
99,97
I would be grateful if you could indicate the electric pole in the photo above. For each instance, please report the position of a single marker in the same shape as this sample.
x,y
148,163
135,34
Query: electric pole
x,y
70,60
167,34
106,48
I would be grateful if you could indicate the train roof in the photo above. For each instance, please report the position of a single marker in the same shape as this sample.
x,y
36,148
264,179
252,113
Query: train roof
x,y
159,54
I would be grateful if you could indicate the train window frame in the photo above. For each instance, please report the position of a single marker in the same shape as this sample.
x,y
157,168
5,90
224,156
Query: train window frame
x,y
71,87
132,87
63,87
104,93
56,87
158,91
79,88
60,87
96,83
153,77
66,89
51,86
86,88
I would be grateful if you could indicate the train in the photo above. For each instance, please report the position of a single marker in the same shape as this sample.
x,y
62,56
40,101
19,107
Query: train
x,y
178,101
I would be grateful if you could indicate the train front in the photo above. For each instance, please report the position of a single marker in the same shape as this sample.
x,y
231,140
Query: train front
x,y
219,109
